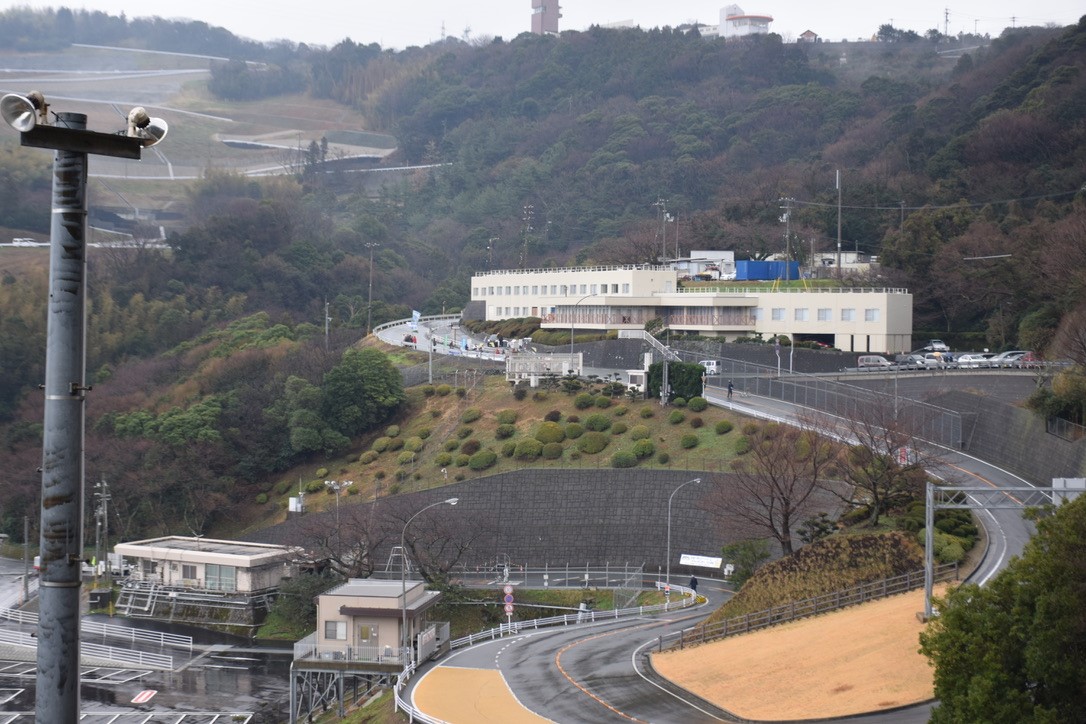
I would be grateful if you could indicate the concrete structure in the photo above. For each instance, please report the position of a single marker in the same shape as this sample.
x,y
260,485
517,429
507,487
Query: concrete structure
x,y
545,15
627,297
734,23
208,564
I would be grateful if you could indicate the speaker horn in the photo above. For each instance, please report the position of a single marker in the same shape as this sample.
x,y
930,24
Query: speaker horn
x,y
148,129
23,112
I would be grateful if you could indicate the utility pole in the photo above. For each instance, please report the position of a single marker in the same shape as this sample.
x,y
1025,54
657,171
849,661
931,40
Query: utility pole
x,y
369,304
26,558
838,223
661,203
490,243
787,238
529,213
101,512
327,319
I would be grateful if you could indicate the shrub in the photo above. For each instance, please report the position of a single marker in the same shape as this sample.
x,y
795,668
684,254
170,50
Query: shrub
x,y
482,460
742,445
314,486
603,402
552,451
676,417
367,457
405,458
623,459
464,432
470,447
443,460
321,472
507,417
644,448
284,486
416,475
679,402
519,393
583,401
697,404
574,430
424,432
539,395
663,458
380,444
620,411
597,422
392,431
505,431
443,390
553,416
549,432
436,413
451,445
394,489
696,422
618,428
592,443
575,455
459,477
749,428
395,443
428,390
723,427
689,441
508,448
573,418
261,498
471,415
528,449
462,460
461,392
639,432
646,413
414,444
380,475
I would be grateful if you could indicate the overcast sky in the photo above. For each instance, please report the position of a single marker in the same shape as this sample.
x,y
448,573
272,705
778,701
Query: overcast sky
x,y
400,23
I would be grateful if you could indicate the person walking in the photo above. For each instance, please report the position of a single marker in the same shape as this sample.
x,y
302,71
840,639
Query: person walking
x,y
694,584
731,387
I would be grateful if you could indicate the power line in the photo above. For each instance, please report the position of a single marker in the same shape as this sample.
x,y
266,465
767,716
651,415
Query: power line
x,y
959,205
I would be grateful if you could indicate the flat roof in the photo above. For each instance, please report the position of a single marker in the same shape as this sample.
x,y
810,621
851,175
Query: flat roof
x,y
371,587
209,545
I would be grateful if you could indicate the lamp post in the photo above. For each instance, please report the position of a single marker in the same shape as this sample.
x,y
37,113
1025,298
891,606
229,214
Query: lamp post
x,y
669,499
65,388
369,302
336,486
572,316
404,637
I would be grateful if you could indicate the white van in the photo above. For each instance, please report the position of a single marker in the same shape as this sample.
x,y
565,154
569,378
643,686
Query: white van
x,y
872,360
711,366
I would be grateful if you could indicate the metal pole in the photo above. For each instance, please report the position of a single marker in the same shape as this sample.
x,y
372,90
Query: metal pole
x,y
26,558
405,640
929,547
61,537
369,303
667,578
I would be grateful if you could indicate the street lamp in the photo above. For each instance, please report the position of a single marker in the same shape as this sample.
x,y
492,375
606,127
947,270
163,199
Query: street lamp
x,y
669,499
572,317
65,388
404,638
336,486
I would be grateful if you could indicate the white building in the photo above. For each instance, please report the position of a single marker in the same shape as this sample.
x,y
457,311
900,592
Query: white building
x,y
734,23
627,297
208,564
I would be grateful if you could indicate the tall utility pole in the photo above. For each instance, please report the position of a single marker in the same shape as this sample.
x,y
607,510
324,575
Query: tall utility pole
x,y
101,512
838,223
490,244
787,238
529,215
661,203
327,320
369,304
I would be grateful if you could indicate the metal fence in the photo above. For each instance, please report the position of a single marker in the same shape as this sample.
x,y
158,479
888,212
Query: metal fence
x,y
803,608
123,657
107,630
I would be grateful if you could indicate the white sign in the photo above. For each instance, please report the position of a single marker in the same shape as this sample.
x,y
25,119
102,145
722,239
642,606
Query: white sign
x,y
507,589
509,608
688,559
1064,489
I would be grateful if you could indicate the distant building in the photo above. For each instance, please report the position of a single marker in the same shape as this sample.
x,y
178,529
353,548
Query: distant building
x,y
734,23
809,36
545,15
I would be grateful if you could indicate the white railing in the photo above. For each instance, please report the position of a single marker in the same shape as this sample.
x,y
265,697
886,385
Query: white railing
x,y
125,657
97,628
576,269
15,597
308,648
757,291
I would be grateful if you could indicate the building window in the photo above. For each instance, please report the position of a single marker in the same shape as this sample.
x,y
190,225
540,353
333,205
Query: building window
x,y
221,578
490,291
625,289
554,289
516,290
848,315
778,314
335,630
825,314
584,289
595,289
188,572
499,291
535,289
800,315
756,313
871,315
508,291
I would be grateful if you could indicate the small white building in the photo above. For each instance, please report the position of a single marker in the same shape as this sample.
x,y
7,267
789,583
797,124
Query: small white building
x,y
208,564
734,23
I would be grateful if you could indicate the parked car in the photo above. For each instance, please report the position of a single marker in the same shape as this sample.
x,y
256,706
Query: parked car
x,y
711,366
868,361
936,345
1007,359
933,360
910,361
974,360
1030,361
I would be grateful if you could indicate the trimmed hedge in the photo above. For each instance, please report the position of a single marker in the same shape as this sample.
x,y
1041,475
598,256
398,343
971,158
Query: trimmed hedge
x,y
618,428
697,404
462,460
623,459
646,413
471,415
620,411
528,449
470,447
392,431
451,445
503,432
414,444
584,401
679,402
644,448
689,441
574,430
549,431
742,445
507,417
482,460
508,448
640,432
723,427
464,432
676,417
381,444
368,457
443,460
592,442
696,422
552,451
597,422
553,416
603,402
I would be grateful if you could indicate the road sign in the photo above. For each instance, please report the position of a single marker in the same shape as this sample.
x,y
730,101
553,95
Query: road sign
x,y
144,696
509,608
508,598
507,590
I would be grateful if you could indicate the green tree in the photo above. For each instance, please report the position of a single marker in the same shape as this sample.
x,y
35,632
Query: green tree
x,y
1015,650
361,391
746,556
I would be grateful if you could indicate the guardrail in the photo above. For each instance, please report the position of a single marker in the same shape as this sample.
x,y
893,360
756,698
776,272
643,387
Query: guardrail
x,y
123,657
97,628
803,608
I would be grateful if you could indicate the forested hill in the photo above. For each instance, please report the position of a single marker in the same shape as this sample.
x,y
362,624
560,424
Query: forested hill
x,y
961,166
